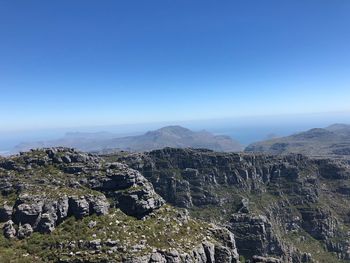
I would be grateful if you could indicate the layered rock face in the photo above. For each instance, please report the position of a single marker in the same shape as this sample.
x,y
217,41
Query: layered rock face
x,y
51,185
290,208
71,206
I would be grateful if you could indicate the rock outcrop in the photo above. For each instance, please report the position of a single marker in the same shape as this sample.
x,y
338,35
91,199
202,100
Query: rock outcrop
x,y
79,207
9,229
83,208
53,184
275,205
255,234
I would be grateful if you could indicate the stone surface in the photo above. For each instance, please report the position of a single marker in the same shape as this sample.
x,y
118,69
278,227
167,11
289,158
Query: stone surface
x,y
267,195
256,199
24,231
49,186
9,229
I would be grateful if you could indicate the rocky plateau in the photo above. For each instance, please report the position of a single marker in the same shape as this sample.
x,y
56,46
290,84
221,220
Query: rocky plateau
x,y
60,205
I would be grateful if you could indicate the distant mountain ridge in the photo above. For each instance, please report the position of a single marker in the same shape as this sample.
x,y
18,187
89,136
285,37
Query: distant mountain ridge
x,y
169,136
333,140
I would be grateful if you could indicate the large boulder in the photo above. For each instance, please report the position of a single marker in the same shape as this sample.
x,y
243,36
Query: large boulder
x,y
138,203
132,192
24,231
47,223
79,206
28,210
99,204
9,229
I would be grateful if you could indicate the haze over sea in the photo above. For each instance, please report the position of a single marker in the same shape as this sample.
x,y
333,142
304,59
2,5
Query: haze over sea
x,y
246,129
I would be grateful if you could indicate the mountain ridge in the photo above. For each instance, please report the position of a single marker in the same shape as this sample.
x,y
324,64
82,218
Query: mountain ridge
x,y
331,141
168,136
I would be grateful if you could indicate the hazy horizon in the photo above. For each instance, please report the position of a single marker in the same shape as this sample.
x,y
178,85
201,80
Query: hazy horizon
x,y
245,130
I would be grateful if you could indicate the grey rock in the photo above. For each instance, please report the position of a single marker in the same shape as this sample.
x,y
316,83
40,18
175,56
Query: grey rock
x,y
319,223
62,208
244,206
157,257
95,244
92,224
47,223
24,231
228,241
199,254
111,243
306,257
9,229
28,211
133,193
209,250
98,204
57,160
222,254
66,159
6,187
139,203
254,235
137,259
79,206
79,158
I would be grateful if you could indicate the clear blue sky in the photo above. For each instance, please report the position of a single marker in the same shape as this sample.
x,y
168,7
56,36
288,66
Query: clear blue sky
x,y
74,63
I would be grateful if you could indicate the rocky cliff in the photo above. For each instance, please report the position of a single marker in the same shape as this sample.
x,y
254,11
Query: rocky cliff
x,y
60,205
280,208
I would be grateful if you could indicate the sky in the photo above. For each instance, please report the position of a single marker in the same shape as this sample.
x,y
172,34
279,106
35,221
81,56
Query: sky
x,y
84,63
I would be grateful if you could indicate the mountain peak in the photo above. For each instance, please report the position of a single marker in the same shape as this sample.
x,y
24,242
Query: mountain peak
x,y
174,129
180,137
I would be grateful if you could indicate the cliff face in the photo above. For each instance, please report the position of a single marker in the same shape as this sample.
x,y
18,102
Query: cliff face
x,y
60,205
291,208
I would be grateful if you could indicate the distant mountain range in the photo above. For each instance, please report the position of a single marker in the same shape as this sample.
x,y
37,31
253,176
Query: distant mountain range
x,y
333,141
170,136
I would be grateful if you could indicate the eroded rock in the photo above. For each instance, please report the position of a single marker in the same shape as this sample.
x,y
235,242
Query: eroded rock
x,y
24,231
9,229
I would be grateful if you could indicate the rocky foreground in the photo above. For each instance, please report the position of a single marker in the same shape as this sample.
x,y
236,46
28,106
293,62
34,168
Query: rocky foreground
x,y
59,205
173,205
284,208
